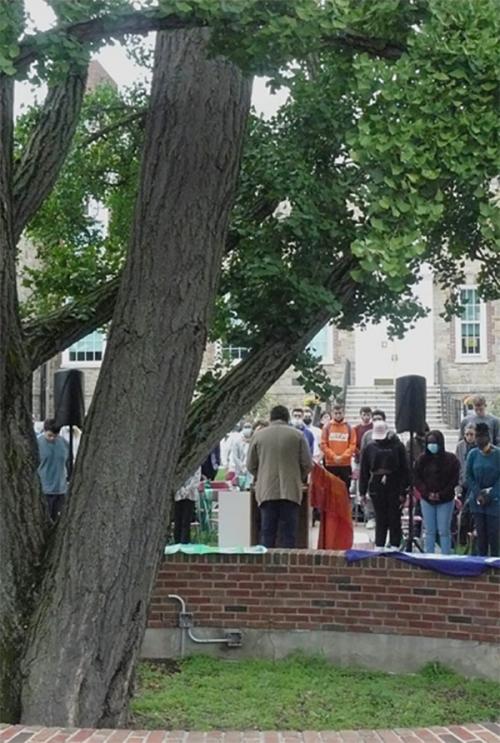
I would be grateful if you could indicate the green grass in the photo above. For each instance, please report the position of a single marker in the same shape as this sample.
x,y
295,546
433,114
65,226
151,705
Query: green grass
x,y
299,693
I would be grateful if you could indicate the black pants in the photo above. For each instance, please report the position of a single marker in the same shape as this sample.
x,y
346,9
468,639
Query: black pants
x,y
279,514
183,515
488,534
55,502
387,509
345,474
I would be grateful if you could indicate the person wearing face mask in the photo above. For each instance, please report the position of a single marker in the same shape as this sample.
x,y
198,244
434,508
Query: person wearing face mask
x,y
298,422
377,415
308,422
238,463
384,476
437,473
482,470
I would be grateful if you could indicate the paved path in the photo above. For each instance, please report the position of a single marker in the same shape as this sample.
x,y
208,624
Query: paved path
x,y
474,733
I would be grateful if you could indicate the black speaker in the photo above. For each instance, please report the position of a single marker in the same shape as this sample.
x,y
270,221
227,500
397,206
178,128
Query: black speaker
x,y
69,405
411,395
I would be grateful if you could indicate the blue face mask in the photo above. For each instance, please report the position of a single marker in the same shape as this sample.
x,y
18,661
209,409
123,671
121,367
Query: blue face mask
x,y
433,448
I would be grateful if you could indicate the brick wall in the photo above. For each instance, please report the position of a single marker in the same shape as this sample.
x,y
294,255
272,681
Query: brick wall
x,y
299,589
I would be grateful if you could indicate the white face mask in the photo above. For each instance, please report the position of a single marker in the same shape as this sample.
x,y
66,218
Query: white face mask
x,y
297,422
247,431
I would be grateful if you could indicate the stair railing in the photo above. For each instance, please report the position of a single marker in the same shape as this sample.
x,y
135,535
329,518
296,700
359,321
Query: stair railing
x,y
442,393
347,380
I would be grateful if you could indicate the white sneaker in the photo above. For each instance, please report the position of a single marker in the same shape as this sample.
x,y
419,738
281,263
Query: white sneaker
x,y
370,524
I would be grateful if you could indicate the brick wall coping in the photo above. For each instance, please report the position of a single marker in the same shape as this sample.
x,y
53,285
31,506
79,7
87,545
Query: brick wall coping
x,y
301,557
467,733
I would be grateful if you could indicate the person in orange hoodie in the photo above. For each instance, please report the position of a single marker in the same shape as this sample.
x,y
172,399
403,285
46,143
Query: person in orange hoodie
x,y
338,444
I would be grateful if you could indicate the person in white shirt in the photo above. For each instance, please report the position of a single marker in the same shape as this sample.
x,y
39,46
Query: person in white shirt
x,y
184,505
239,450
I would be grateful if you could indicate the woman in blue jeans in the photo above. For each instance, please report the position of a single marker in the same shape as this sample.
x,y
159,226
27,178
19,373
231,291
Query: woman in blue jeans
x,y
437,474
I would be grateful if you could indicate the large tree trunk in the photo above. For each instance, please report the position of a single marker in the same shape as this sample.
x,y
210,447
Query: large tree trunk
x,y
107,548
22,519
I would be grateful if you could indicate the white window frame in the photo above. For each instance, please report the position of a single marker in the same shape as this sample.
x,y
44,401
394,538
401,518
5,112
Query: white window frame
x,y
482,357
66,363
232,361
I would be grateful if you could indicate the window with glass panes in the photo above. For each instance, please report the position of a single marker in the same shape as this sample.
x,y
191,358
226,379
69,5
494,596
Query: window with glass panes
x,y
234,353
321,344
88,349
470,323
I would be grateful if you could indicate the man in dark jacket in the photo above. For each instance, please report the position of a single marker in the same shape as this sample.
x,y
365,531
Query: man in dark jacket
x,y
384,475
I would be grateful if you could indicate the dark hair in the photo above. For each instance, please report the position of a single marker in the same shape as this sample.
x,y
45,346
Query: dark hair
x,y
280,413
379,412
298,410
439,440
365,409
424,433
482,430
49,424
338,406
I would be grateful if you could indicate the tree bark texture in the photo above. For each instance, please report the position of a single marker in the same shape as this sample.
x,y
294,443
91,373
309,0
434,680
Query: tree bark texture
x,y
51,334
214,414
46,150
107,548
22,519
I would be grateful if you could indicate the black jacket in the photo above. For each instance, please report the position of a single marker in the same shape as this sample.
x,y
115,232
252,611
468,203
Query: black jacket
x,y
384,465
437,473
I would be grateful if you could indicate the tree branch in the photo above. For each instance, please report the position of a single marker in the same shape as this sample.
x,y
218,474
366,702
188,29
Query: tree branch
x,y
136,116
374,46
49,335
102,28
144,21
46,336
47,148
215,413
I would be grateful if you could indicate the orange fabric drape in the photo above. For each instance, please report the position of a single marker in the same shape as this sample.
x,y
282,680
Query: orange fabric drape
x,y
329,494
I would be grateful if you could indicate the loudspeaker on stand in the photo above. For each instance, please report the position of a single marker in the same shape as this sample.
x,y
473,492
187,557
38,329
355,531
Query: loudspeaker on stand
x,y
411,395
69,405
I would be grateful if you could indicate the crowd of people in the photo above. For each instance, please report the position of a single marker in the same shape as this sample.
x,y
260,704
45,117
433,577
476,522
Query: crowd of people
x,y
455,496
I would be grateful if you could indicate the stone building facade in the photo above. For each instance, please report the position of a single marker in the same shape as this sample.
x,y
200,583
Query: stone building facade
x,y
460,357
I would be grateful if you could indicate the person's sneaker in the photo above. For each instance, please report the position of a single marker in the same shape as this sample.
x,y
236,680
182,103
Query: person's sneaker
x,y
370,524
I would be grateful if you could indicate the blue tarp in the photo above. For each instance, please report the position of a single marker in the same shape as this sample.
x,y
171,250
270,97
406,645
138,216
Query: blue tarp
x,y
460,565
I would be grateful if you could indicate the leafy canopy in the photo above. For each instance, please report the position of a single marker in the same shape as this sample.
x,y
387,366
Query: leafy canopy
x,y
380,163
